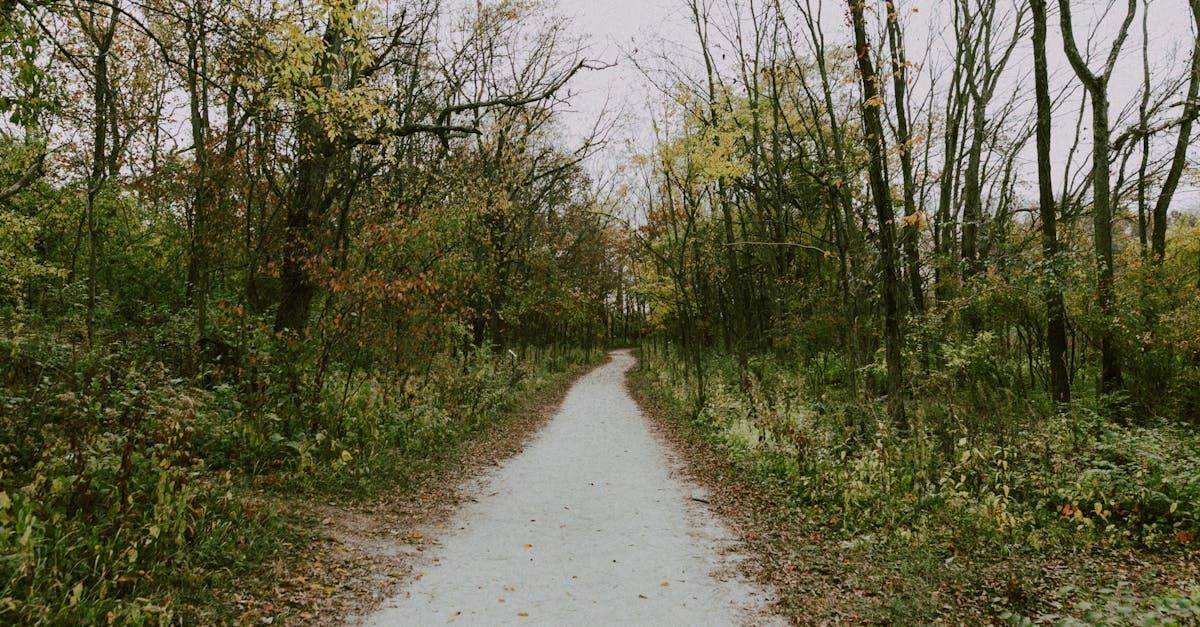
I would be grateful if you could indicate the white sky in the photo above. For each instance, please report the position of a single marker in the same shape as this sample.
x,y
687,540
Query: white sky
x,y
618,27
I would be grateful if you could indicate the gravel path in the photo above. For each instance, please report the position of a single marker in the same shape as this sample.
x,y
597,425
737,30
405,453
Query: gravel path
x,y
588,526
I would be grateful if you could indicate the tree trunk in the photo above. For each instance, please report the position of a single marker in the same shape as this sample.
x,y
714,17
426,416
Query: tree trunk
x,y
881,196
197,287
1102,219
912,222
1191,108
100,167
1056,315
1102,212
973,188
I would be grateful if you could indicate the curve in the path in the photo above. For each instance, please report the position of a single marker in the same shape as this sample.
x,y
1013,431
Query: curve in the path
x,y
588,526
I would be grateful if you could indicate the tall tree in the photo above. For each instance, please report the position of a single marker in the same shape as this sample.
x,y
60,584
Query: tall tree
x,y
1056,314
1191,109
957,102
1096,84
904,137
985,72
99,26
881,197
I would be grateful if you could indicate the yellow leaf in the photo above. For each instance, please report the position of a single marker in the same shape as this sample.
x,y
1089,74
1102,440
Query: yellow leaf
x,y
522,613
665,584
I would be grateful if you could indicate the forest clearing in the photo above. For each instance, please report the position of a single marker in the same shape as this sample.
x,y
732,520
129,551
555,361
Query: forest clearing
x,y
764,312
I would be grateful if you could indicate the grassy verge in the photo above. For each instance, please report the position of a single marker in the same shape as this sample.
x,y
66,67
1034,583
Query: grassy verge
x,y
346,561
1063,520
137,490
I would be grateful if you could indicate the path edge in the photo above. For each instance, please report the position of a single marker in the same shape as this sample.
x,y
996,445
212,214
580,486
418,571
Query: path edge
x,y
372,541
699,464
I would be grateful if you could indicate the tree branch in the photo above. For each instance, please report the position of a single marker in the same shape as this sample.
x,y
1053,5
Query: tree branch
x,y
517,100
31,174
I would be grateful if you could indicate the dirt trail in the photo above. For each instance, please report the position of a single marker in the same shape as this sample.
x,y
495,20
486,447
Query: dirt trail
x,y
589,525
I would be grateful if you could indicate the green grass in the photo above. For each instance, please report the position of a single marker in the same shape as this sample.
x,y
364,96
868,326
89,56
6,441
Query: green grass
x,y
961,519
132,494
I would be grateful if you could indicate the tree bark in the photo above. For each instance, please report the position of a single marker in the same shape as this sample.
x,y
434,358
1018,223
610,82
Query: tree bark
x,y
1102,210
912,222
1191,108
881,197
1056,315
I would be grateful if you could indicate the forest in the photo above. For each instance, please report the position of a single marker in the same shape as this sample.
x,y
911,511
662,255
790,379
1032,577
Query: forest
x,y
915,285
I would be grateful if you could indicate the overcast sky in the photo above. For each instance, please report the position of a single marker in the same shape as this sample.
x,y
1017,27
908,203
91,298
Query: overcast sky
x,y
617,28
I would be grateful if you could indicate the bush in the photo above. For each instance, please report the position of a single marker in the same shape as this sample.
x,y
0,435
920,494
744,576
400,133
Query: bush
x,y
124,470
1137,485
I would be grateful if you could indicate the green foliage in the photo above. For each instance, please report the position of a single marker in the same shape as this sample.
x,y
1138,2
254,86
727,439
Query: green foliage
x,y
989,473
20,269
25,228
105,503
123,495
1119,605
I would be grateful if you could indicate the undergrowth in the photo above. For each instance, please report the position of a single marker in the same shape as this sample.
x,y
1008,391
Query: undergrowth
x,y
136,482
984,495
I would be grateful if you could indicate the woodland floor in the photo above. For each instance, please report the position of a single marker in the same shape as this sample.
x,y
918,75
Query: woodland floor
x,y
822,580
575,515
590,524
584,509
358,553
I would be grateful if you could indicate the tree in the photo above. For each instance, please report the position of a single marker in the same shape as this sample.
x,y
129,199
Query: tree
x,y
1096,85
984,75
99,25
872,102
1191,110
906,141
1056,323
338,75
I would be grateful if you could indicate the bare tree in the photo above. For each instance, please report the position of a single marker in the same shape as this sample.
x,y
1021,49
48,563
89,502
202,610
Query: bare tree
x,y
872,102
985,73
1191,109
1056,314
904,138
1096,85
